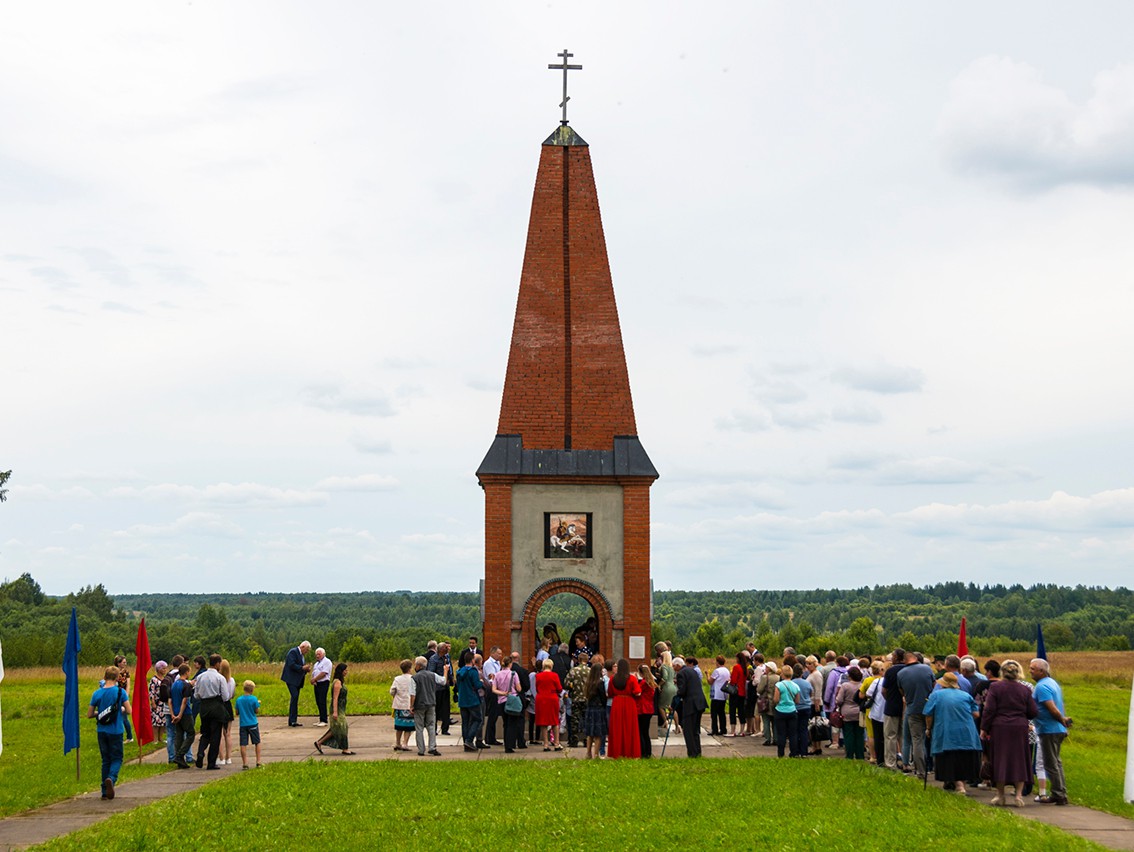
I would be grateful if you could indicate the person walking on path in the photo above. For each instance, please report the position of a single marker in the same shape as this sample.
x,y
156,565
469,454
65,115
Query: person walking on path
x,y
110,705
337,734
1051,726
294,674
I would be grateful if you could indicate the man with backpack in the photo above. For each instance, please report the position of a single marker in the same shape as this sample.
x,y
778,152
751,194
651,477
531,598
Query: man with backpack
x,y
110,706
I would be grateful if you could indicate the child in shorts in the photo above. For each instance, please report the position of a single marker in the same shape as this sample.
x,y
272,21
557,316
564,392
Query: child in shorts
x,y
247,706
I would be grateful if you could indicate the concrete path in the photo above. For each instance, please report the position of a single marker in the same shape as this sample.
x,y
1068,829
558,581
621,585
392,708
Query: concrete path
x,y
372,737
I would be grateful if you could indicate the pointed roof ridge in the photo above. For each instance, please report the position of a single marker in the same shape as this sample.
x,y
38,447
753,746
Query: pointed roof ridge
x,y
565,137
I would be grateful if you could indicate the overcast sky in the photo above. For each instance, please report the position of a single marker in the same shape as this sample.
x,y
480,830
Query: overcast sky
x,y
259,263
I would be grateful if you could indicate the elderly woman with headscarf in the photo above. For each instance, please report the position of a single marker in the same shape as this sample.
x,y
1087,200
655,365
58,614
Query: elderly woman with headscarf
x,y
1008,705
158,708
950,719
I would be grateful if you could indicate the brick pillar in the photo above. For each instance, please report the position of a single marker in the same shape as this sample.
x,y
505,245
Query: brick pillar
x,y
497,563
636,564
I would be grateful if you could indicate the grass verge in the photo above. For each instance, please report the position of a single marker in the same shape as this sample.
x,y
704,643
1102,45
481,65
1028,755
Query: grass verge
x,y
570,805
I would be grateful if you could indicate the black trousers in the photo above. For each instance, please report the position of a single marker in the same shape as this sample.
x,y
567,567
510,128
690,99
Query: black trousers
x,y
444,709
717,717
212,724
492,713
321,690
691,730
644,734
513,731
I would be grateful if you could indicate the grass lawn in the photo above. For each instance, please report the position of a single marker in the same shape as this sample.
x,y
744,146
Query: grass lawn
x,y
570,805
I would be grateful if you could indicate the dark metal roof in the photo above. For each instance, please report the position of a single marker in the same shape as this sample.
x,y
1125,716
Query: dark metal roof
x,y
507,456
565,137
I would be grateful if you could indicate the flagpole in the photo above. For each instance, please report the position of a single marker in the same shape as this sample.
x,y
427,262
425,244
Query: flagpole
x,y
78,774
1129,791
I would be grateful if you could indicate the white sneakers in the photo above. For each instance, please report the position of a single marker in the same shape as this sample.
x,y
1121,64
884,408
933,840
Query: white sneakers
x,y
320,724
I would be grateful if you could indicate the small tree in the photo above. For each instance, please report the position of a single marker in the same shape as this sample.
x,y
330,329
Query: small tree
x,y
4,474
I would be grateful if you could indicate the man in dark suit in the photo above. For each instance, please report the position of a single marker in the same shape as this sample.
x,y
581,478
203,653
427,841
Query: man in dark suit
x,y
295,671
692,698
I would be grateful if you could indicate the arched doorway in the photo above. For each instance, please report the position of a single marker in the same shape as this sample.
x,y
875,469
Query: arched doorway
x,y
593,602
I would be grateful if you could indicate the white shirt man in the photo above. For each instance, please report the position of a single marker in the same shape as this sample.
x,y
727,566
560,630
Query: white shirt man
x,y
321,681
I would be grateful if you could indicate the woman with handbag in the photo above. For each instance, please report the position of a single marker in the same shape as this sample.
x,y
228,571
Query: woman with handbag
x,y
766,700
737,706
846,704
506,688
786,696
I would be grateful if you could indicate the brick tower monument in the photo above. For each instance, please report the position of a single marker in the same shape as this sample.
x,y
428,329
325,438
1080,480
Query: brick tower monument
x,y
566,481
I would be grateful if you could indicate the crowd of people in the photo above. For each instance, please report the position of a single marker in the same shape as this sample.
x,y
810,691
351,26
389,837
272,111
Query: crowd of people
x,y
944,715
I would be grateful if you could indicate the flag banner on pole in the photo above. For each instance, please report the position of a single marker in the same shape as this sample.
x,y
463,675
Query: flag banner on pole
x,y
71,689
1,681
962,641
140,700
1128,791
1041,650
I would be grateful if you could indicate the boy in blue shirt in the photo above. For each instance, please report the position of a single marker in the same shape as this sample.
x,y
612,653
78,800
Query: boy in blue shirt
x,y
110,700
247,706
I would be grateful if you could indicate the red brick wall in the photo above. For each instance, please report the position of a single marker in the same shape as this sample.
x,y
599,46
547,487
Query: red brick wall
x,y
497,562
636,561
566,378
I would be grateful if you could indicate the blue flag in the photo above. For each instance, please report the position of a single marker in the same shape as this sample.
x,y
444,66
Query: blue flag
x,y
71,689
1041,651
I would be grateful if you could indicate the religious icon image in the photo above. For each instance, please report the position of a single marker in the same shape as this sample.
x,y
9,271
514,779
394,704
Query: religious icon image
x,y
568,535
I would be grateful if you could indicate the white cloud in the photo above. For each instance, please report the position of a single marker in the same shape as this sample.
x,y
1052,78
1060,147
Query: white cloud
x,y
364,482
745,421
223,494
1003,120
193,523
330,397
880,378
736,494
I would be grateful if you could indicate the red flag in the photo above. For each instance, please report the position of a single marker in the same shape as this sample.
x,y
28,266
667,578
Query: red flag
x,y
140,700
962,642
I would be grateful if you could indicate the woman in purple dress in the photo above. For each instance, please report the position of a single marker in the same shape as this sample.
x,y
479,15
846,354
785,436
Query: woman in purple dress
x,y
1008,705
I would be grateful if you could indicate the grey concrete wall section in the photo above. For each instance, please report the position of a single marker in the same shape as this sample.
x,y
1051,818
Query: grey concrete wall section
x,y
529,567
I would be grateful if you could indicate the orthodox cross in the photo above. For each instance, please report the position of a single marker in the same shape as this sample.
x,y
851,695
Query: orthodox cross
x,y
564,67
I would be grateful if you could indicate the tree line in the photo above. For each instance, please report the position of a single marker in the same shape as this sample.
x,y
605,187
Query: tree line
x,y
362,626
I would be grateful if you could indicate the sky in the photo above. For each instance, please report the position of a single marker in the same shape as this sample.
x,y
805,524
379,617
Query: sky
x,y
259,264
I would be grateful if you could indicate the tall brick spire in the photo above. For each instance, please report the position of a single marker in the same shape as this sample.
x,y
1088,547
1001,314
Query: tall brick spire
x,y
567,443
567,385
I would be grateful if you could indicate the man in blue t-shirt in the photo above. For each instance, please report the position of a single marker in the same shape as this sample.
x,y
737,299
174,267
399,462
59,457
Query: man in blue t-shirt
x,y
184,731
110,705
1051,726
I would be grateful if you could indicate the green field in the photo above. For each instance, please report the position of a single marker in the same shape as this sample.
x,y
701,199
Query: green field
x,y
570,805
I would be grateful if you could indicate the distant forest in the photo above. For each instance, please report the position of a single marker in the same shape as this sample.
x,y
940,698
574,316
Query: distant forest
x,y
366,626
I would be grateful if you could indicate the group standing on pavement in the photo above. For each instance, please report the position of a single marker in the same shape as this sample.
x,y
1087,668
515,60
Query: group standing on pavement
x,y
990,729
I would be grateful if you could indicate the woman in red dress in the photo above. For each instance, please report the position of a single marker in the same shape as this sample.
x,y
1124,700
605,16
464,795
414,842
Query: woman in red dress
x,y
548,688
623,739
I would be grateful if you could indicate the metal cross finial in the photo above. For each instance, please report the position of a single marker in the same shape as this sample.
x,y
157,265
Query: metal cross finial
x,y
564,67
